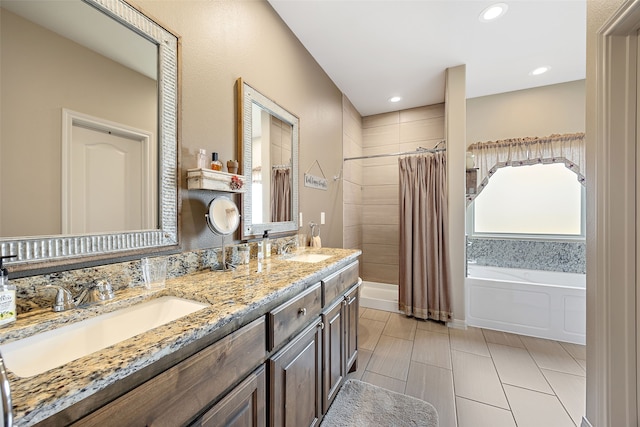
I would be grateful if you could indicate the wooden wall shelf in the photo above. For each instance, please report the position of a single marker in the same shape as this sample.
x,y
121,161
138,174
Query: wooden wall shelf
x,y
207,179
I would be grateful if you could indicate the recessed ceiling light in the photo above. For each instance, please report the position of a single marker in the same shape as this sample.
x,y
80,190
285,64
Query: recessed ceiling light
x,y
493,12
540,70
395,99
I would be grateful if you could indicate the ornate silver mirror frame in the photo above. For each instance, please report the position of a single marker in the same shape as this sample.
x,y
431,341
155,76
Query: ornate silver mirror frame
x,y
65,249
247,97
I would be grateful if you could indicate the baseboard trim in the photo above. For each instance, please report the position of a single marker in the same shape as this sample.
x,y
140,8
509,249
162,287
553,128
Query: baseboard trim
x,y
457,324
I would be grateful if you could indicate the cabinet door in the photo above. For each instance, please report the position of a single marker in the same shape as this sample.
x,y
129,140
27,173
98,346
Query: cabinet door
x,y
295,380
352,315
244,406
333,349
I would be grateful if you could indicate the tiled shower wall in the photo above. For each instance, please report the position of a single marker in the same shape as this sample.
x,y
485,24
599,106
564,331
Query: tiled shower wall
x,y
352,177
386,133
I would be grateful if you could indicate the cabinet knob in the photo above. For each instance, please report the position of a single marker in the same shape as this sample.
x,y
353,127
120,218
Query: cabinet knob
x,y
320,325
303,311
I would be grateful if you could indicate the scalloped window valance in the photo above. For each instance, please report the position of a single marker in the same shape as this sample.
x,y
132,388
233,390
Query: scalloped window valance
x,y
493,155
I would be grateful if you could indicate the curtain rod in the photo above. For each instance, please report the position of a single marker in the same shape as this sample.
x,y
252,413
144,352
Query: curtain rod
x,y
416,151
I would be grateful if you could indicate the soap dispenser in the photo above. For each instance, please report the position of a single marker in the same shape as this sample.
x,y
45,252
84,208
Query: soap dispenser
x,y
266,244
7,295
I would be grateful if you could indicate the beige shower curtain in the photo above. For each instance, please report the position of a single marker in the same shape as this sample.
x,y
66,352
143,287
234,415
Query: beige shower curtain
x,y
281,195
425,287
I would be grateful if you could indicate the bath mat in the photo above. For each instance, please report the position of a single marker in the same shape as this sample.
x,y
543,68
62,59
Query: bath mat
x,y
362,404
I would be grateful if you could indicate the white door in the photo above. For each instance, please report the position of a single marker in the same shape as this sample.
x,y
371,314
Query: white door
x,y
109,176
106,185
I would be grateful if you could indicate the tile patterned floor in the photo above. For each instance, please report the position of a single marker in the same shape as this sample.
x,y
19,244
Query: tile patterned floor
x,y
474,377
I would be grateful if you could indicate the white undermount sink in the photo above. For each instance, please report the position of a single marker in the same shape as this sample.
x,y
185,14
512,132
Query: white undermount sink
x,y
308,257
51,349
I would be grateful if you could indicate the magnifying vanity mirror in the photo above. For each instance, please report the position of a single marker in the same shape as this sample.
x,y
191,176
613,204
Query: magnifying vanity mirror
x,y
223,219
89,132
268,137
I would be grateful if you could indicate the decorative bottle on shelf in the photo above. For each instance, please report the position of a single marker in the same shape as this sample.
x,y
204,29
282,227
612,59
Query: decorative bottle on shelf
x,y
216,164
201,159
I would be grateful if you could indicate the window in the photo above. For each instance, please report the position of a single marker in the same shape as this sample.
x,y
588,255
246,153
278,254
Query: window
x,y
539,200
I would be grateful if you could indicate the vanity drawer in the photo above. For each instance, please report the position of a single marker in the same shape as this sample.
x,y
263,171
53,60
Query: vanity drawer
x,y
336,284
292,316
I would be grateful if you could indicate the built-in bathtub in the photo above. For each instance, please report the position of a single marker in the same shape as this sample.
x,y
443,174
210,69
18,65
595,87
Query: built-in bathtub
x,y
381,296
529,302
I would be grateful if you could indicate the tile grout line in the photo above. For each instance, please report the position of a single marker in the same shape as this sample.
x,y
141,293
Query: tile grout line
x,y
453,378
493,362
413,343
555,393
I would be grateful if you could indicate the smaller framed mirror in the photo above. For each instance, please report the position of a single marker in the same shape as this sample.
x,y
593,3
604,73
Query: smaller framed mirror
x,y
223,216
268,138
223,219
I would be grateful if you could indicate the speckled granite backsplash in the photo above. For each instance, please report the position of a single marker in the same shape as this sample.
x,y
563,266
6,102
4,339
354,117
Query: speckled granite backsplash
x,y
32,295
569,257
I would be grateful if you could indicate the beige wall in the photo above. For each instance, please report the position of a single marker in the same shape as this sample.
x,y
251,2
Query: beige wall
x,y
540,111
224,40
38,68
456,131
392,132
352,176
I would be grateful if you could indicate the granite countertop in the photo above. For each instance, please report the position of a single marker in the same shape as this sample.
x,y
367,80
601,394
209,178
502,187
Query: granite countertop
x,y
236,298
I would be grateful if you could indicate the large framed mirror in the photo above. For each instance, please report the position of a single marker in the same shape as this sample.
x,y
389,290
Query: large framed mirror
x,y
268,137
89,132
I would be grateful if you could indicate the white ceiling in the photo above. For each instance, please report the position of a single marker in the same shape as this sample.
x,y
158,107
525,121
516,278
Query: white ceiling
x,y
375,49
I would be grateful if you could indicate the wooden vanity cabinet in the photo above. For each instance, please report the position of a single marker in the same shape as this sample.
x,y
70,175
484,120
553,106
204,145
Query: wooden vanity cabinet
x,y
306,374
179,394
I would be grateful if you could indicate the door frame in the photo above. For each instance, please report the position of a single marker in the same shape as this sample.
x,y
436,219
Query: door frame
x,y
612,240
149,165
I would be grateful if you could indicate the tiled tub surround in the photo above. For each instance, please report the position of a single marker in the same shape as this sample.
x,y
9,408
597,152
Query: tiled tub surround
x,y
568,257
236,297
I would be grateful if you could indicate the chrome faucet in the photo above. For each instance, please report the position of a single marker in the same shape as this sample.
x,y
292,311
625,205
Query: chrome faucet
x,y
96,293
64,300
288,246
92,294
